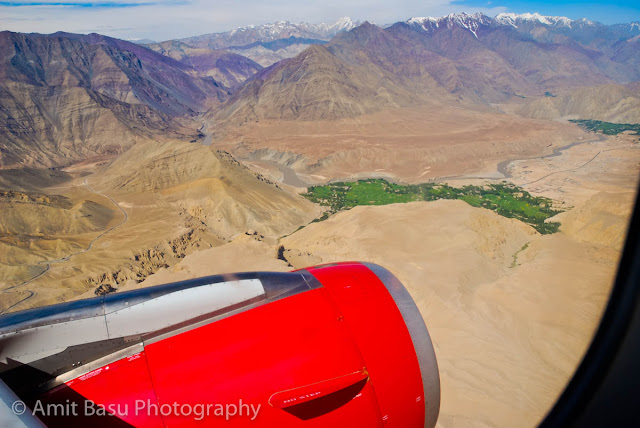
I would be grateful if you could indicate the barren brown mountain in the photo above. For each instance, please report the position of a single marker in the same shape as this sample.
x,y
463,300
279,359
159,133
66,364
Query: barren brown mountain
x,y
313,86
67,97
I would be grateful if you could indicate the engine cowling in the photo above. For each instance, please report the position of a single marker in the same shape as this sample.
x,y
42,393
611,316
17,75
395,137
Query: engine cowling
x,y
333,345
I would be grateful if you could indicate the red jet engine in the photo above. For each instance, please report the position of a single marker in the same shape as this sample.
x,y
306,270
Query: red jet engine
x,y
337,345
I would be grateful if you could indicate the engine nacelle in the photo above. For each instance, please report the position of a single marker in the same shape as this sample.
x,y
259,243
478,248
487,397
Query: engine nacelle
x,y
327,346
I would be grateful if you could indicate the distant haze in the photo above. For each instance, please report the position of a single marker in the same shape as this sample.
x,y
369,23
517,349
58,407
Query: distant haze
x,y
169,19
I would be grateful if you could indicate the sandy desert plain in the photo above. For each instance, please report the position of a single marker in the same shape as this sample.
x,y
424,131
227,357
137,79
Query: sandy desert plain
x,y
510,311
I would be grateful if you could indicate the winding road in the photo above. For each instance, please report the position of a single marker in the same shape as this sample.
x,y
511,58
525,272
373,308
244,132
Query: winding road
x,y
502,166
571,169
48,263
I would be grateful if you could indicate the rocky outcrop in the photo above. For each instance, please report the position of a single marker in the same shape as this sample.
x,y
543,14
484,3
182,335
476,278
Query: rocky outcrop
x,y
148,261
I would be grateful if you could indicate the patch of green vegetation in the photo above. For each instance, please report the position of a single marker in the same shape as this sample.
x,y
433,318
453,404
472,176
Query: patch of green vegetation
x,y
607,128
505,199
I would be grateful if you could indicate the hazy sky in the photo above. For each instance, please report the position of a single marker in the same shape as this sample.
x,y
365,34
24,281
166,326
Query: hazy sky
x,y
168,19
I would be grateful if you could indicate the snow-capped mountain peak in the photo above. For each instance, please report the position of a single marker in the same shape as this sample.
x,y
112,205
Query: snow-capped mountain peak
x,y
422,20
344,24
275,29
462,20
473,22
271,28
514,20
329,30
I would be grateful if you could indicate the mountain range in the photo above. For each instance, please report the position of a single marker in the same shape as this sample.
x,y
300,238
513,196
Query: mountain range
x,y
463,58
63,97
269,32
264,44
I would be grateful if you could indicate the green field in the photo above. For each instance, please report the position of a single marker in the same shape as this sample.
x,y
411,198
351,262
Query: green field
x,y
608,128
505,199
